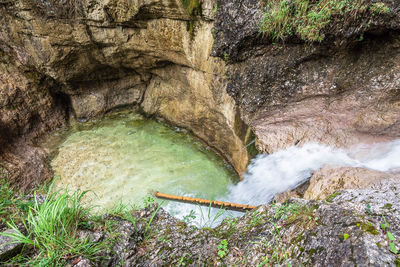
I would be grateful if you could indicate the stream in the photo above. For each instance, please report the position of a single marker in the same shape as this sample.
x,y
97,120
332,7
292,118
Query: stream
x,y
123,157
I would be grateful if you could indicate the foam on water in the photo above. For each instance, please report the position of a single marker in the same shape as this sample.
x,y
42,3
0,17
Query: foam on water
x,y
271,174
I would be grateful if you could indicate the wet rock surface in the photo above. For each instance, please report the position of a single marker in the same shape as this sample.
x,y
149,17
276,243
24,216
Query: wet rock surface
x,y
59,60
329,179
340,92
29,108
8,248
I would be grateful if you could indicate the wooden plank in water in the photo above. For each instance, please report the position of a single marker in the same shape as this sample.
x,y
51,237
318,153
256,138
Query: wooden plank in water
x,y
205,202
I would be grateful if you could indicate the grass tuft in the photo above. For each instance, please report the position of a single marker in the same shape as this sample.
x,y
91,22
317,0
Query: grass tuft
x,y
52,228
308,18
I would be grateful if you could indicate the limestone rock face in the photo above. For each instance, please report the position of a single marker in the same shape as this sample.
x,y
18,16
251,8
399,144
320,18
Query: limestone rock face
x,y
328,180
342,91
28,109
325,182
99,55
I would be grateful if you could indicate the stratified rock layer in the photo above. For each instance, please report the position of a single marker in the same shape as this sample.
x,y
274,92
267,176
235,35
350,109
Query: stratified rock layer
x,y
28,109
98,55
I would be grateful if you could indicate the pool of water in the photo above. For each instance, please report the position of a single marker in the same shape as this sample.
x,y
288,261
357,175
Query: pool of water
x,y
123,157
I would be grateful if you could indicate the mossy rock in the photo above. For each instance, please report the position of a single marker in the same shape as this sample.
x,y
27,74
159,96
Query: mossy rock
x,y
367,227
330,198
192,7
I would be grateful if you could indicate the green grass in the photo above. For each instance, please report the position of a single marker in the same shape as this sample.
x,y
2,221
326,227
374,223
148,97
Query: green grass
x,y
277,252
308,18
52,230
330,198
209,219
12,206
379,8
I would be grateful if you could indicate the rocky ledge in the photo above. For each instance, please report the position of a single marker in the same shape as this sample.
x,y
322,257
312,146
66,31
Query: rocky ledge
x,y
348,228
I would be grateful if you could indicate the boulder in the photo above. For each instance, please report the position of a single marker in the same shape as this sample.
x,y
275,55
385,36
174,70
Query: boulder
x,y
8,247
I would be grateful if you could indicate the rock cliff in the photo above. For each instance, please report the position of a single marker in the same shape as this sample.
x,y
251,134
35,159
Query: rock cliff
x,y
340,91
81,59
78,59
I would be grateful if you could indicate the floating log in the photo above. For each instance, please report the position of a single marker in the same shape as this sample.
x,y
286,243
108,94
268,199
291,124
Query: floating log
x,y
205,202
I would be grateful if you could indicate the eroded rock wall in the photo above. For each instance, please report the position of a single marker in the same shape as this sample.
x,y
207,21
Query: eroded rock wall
x,y
104,54
29,107
342,91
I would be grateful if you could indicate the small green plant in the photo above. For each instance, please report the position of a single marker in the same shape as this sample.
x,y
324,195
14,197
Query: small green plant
x,y
385,227
190,217
146,231
222,249
226,57
379,8
148,201
211,218
215,9
255,218
184,259
330,198
123,211
368,208
345,236
285,211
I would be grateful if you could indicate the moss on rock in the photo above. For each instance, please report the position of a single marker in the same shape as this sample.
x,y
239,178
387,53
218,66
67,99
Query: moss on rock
x,y
194,9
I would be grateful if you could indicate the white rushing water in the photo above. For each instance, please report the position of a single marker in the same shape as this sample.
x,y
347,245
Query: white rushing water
x,y
271,174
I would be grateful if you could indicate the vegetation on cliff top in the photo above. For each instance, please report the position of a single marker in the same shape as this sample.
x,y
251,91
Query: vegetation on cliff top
x,y
308,18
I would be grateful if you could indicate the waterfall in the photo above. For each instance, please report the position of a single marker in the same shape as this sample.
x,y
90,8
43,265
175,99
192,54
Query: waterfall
x,y
268,175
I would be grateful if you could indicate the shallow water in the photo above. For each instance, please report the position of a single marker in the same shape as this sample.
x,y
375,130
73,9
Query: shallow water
x,y
124,157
